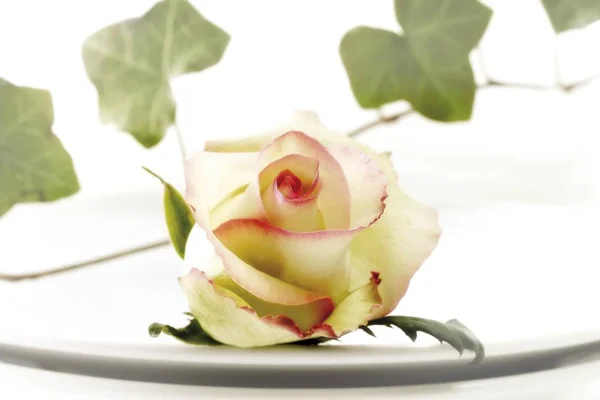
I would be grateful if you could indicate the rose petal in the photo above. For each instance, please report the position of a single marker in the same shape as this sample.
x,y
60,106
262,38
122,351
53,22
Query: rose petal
x,y
304,316
305,168
334,196
303,121
215,179
367,184
205,171
390,245
261,284
309,123
228,318
296,216
300,214
315,261
396,246
244,203
357,309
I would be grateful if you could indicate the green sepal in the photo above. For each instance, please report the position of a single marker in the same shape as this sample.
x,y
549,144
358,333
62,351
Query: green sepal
x,y
178,215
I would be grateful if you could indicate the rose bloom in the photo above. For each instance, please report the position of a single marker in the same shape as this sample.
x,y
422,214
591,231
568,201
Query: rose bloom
x,y
312,234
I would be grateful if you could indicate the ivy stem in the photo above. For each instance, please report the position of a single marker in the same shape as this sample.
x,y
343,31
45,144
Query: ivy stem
x,y
388,119
88,263
482,64
556,59
381,119
181,142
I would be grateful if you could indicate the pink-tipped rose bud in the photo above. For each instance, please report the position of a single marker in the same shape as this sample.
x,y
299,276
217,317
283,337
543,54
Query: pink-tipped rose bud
x,y
314,235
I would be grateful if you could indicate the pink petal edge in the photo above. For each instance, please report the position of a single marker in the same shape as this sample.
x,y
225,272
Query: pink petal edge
x,y
281,321
334,199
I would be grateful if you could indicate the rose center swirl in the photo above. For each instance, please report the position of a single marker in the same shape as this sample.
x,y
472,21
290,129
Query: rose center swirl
x,y
290,185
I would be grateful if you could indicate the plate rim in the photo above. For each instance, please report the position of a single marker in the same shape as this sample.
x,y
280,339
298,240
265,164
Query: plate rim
x,y
403,366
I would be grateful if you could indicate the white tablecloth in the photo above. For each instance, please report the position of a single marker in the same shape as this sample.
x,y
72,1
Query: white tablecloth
x,y
574,383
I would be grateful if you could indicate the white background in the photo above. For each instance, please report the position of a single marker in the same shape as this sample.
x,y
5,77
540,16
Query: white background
x,y
526,163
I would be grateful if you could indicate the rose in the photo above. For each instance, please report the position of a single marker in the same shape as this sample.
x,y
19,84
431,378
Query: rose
x,y
312,233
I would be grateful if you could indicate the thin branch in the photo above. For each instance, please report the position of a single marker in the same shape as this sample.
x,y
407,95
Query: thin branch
x,y
482,64
556,60
382,119
387,119
578,85
84,264
532,86
181,143
517,85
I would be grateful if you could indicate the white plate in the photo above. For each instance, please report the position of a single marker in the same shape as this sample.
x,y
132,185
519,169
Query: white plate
x,y
523,277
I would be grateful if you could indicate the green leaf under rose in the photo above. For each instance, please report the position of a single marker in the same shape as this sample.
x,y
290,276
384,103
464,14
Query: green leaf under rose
x,y
131,63
34,165
428,65
192,333
178,215
571,14
452,332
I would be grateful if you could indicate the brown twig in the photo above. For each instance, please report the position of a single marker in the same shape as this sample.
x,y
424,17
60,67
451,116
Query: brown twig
x,y
382,119
491,83
532,86
482,64
180,143
577,85
84,264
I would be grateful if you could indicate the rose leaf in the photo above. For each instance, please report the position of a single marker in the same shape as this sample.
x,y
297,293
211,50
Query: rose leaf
x,y
34,165
428,65
178,215
131,63
571,14
452,332
190,334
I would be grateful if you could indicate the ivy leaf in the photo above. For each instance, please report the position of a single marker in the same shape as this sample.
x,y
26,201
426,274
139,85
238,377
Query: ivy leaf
x,y
571,14
190,334
130,64
34,165
451,332
179,216
428,65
